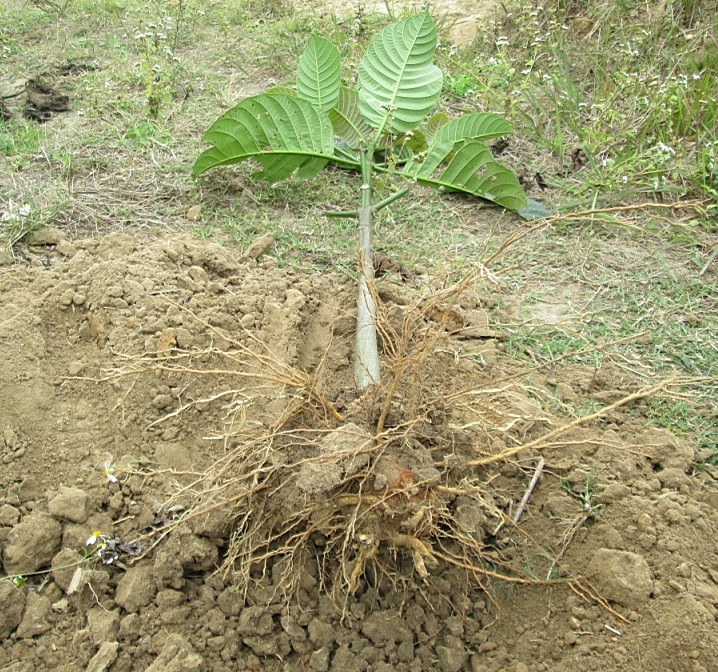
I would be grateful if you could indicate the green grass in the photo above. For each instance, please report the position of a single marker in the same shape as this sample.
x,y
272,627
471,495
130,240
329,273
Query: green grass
x,y
634,95
611,105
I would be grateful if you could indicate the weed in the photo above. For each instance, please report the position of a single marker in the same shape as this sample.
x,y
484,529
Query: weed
x,y
633,94
585,495
18,139
55,6
16,221
158,66
145,132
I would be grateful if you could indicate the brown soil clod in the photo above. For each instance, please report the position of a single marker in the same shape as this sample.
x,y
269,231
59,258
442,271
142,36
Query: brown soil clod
x,y
43,101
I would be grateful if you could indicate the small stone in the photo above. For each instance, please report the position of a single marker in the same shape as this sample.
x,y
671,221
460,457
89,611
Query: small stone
x,y
104,658
259,246
184,338
66,249
48,236
321,634
318,478
162,401
103,625
35,618
198,274
29,490
452,658
383,628
665,450
256,621
248,321
115,291
63,567
130,627
196,554
135,589
61,606
669,478
7,258
345,659
194,213
621,576
10,438
66,297
319,660
70,504
177,656
12,605
463,31
78,299
32,544
166,342
564,392
9,515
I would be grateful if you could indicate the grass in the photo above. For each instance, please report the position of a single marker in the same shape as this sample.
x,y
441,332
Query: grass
x,y
612,104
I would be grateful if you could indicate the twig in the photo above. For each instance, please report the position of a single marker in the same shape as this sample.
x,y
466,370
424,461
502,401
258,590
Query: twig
x,y
529,490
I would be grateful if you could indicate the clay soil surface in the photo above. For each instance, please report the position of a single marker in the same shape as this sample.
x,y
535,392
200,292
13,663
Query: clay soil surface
x,y
142,380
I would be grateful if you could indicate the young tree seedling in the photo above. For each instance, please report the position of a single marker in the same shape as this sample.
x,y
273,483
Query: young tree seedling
x,y
382,125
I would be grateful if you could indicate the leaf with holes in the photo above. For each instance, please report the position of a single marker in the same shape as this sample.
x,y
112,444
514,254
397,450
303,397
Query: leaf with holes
x,y
469,167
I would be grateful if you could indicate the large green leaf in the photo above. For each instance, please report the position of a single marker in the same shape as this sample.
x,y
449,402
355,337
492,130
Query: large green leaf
x,y
480,126
319,73
472,169
285,134
434,123
448,135
348,123
397,77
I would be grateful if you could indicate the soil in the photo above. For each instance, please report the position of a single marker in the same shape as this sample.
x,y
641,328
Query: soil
x,y
143,380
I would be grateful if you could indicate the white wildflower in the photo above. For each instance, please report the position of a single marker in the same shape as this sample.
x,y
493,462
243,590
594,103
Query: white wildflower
x,y
109,471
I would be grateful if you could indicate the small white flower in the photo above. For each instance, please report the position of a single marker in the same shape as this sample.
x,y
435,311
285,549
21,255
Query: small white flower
x,y
14,213
109,471
94,538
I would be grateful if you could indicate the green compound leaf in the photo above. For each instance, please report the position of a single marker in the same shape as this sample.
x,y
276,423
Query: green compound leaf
x,y
398,82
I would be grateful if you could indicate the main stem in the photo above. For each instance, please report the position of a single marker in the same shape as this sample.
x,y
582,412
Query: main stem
x,y
366,362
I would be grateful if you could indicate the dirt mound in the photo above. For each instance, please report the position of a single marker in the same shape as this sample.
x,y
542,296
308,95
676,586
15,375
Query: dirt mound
x,y
143,382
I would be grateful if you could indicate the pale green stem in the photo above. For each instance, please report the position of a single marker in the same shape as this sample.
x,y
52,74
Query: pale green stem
x,y
366,363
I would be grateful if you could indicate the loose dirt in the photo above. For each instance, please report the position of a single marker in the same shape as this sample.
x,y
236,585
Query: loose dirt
x,y
142,380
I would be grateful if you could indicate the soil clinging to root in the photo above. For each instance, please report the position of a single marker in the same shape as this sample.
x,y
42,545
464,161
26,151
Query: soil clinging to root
x,y
191,482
